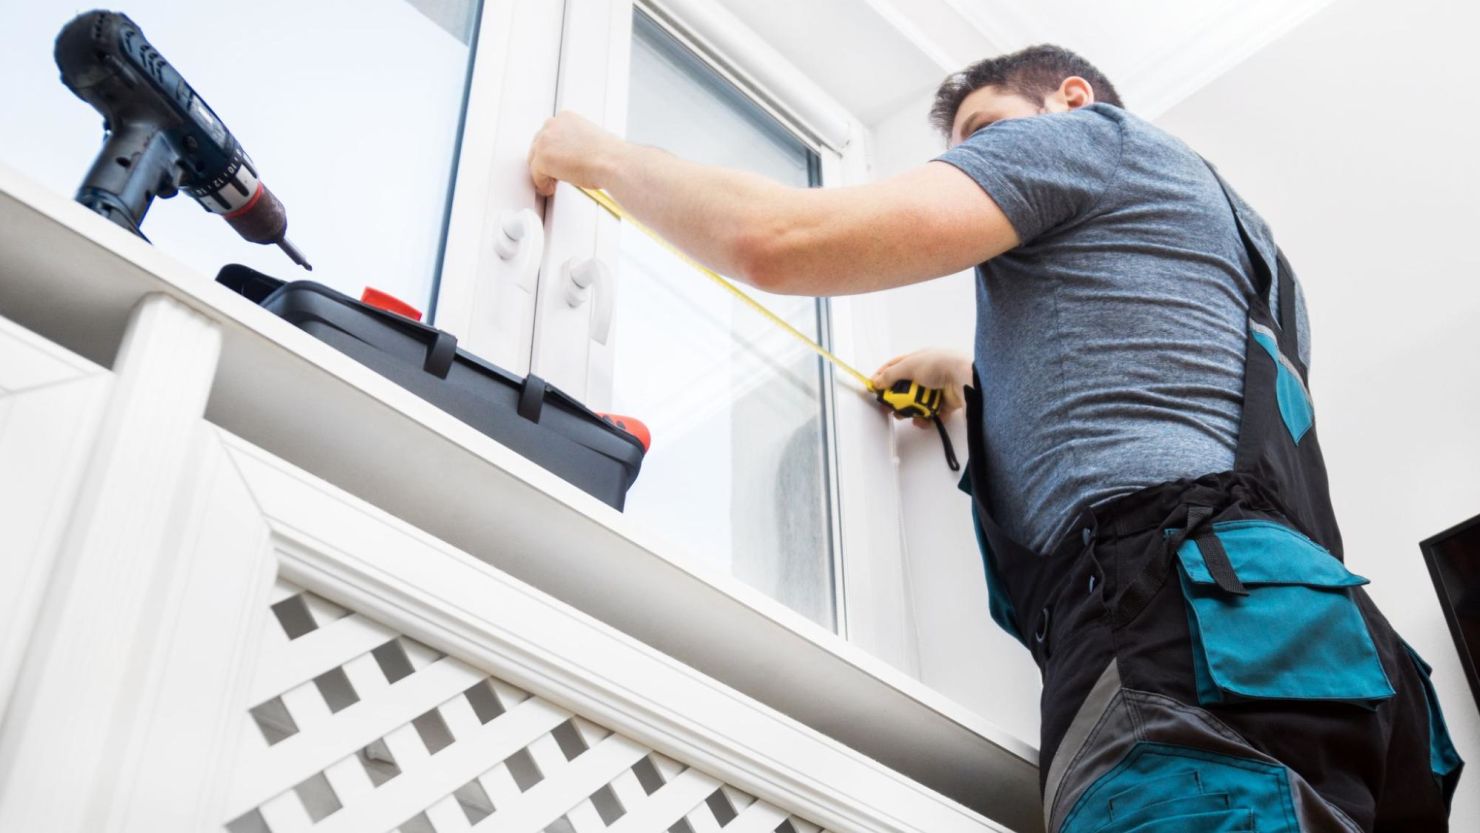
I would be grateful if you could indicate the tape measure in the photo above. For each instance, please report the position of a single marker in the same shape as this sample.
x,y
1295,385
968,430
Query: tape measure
x,y
904,397
912,399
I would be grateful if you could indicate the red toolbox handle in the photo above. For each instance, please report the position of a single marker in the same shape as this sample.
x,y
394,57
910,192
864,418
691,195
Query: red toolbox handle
x,y
389,303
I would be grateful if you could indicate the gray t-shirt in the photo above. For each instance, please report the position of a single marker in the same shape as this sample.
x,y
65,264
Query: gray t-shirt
x,y
1110,344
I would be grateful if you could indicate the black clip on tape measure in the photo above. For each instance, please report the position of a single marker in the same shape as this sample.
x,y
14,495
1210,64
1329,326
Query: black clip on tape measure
x,y
915,400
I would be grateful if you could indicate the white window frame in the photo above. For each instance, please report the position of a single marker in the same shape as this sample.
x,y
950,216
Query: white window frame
x,y
517,80
487,280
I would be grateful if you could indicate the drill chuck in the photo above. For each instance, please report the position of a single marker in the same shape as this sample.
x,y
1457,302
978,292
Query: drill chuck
x,y
162,137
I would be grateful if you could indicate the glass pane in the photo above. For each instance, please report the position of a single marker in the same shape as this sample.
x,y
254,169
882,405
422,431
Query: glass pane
x,y
349,108
738,467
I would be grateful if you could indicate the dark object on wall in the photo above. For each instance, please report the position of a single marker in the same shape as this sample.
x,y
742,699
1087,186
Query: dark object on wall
x,y
1453,557
527,415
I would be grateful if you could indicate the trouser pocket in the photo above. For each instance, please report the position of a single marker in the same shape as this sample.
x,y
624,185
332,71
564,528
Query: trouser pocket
x,y
1272,616
1444,760
1182,814
1158,788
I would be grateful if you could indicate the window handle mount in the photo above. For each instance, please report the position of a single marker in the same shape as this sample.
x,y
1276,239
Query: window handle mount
x,y
521,243
585,276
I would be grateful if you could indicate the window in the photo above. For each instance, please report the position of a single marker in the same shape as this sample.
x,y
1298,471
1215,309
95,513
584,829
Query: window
x,y
351,112
738,471
401,161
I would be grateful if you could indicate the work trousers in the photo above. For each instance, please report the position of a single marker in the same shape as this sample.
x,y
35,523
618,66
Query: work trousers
x,y
1208,668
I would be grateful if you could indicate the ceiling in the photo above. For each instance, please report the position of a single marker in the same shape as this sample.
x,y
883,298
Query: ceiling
x,y
877,56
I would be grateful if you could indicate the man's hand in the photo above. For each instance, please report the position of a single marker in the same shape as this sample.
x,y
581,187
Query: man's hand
x,y
934,368
570,148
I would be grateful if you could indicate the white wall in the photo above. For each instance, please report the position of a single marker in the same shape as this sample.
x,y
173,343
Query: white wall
x,y
1355,136
962,652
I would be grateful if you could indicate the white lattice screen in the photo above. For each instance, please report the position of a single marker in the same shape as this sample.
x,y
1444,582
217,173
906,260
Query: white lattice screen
x,y
361,729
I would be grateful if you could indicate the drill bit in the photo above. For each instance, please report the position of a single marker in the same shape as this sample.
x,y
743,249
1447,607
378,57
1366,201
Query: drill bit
x,y
293,252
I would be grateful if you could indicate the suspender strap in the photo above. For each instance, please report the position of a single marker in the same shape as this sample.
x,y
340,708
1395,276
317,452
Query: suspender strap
x,y
1263,279
1287,301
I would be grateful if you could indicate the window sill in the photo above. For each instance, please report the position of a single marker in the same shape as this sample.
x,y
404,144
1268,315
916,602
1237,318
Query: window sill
x,y
73,278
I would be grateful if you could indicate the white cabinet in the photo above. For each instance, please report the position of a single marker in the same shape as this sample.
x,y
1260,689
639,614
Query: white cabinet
x,y
50,404
225,641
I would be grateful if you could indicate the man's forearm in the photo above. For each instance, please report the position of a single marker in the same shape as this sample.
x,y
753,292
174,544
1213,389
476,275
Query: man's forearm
x,y
721,217
923,223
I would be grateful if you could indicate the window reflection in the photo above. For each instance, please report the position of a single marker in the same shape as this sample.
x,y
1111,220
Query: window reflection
x,y
738,468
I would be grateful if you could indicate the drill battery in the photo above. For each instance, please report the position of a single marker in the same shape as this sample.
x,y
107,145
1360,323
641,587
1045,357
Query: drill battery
x,y
529,416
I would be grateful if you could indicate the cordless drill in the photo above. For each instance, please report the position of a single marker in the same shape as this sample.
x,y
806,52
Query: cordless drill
x,y
161,137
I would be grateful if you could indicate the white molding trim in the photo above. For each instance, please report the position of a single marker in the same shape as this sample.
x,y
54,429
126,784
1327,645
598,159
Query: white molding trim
x,y
767,73
60,753
30,361
1186,65
51,402
358,557
1227,34
940,31
1006,25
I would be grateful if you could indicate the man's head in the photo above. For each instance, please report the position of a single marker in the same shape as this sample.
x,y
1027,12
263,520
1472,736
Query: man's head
x,y
1039,79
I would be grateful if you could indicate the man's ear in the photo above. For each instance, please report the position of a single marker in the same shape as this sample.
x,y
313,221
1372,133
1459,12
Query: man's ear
x,y
1077,92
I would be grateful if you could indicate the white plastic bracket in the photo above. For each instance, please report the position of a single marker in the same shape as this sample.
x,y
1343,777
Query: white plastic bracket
x,y
585,276
521,242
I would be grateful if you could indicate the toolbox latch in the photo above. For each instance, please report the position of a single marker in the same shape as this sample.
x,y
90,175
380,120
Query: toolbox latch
x,y
440,355
532,397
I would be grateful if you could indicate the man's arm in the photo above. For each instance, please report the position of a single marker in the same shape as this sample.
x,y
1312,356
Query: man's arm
x,y
931,221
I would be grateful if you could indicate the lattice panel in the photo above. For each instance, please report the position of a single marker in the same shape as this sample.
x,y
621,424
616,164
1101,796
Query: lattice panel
x,y
358,728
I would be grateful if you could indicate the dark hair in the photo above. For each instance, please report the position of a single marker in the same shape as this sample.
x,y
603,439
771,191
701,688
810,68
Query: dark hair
x,y
1032,73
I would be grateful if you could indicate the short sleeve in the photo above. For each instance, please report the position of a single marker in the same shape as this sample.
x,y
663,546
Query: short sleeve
x,y
1043,171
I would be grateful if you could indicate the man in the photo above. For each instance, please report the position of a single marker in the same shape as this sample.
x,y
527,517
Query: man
x,y
1149,491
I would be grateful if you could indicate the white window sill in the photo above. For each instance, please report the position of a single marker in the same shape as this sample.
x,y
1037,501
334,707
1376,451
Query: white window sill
x,y
73,278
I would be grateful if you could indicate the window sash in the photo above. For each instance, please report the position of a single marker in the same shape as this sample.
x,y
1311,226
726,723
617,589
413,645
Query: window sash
x,y
593,38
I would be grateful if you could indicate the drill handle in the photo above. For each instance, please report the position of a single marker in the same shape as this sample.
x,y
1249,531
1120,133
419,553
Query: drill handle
x,y
135,165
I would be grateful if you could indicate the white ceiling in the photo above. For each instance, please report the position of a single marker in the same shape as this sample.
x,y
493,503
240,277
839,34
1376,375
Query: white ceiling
x,y
876,56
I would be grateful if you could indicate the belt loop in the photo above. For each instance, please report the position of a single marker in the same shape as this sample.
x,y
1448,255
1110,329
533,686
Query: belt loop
x,y
1141,587
1213,553
1197,515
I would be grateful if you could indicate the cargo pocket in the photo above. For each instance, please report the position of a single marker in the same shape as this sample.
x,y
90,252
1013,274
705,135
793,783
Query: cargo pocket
x,y
1272,617
1159,788
1444,760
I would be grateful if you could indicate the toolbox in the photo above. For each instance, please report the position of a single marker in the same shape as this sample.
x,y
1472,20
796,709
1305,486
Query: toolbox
x,y
529,416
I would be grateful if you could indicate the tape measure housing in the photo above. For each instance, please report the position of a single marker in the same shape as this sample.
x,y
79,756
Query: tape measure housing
x,y
912,399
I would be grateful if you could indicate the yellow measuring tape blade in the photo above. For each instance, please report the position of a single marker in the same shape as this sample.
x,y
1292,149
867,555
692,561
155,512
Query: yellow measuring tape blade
x,y
604,200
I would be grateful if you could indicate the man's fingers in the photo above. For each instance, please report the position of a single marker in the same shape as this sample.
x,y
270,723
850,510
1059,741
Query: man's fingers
x,y
889,374
543,184
881,377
